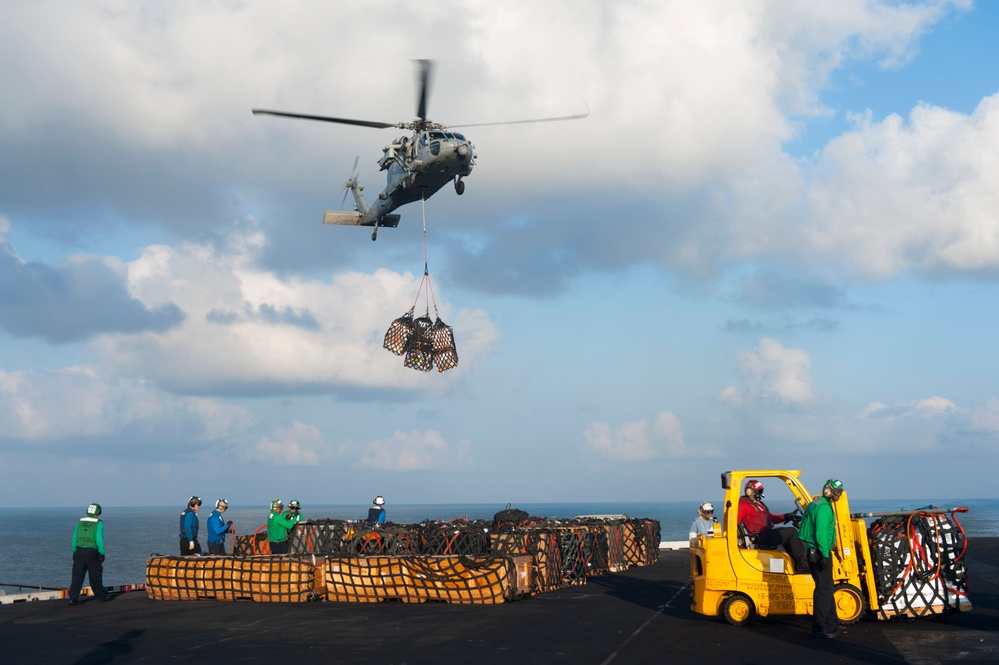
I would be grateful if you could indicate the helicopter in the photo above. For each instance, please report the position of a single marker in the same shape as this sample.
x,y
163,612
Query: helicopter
x,y
416,166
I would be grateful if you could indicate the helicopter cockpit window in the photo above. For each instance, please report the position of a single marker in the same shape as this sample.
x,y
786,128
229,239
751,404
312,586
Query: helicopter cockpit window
x,y
459,136
437,136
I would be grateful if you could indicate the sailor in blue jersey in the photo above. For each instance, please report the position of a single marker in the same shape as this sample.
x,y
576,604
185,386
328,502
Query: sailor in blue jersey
x,y
218,528
376,513
88,555
189,528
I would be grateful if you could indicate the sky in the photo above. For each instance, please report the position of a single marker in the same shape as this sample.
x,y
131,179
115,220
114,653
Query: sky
x,y
772,244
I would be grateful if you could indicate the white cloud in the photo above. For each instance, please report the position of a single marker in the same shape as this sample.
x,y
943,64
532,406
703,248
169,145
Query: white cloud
x,y
772,374
923,408
639,440
414,451
80,401
297,445
915,194
984,417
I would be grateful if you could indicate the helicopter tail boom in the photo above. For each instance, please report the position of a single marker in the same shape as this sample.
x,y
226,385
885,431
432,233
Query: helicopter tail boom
x,y
356,219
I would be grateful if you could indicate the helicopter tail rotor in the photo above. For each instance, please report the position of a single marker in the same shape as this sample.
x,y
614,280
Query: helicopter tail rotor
x,y
350,181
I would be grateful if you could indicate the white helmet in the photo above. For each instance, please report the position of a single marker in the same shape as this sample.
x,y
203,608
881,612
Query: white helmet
x,y
706,508
221,503
379,501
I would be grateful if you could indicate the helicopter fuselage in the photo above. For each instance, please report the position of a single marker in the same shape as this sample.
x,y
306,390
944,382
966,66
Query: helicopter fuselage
x,y
416,168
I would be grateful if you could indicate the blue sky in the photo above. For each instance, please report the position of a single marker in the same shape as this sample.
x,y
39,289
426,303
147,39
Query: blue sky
x,y
772,244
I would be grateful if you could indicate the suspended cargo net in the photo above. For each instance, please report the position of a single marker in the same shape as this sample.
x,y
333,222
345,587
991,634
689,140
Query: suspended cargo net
x,y
918,563
445,353
398,334
267,579
420,347
423,341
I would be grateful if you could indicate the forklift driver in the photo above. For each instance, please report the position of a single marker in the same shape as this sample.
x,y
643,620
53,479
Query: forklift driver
x,y
759,523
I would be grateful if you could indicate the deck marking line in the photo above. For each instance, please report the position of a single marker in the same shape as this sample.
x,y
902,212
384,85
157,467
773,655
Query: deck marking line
x,y
643,626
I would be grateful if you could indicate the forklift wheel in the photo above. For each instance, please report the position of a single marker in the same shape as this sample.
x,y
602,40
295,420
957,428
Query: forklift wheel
x,y
737,609
850,603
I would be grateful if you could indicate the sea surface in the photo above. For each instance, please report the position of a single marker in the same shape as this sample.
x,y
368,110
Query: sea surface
x,y
37,541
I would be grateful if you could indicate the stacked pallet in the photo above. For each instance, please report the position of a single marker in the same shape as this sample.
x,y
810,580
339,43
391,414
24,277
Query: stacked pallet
x,y
455,562
419,579
269,579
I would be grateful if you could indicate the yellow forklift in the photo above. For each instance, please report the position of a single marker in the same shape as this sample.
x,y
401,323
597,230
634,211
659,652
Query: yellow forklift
x,y
912,568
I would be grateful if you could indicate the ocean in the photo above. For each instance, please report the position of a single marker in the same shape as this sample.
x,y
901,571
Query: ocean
x,y
36,547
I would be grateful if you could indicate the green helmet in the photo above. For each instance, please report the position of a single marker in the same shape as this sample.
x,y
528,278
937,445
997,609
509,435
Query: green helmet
x,y
834,486
93,510
294,504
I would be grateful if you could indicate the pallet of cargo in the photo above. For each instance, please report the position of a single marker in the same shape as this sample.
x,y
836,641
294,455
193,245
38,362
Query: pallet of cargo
x,y
419,579
267,579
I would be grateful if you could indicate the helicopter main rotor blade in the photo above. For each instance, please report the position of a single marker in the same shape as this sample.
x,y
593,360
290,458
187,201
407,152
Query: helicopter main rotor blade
x,y
326,118
578,116
423,79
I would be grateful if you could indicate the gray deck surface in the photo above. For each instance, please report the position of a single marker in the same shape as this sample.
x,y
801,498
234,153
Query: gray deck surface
x,y
639,616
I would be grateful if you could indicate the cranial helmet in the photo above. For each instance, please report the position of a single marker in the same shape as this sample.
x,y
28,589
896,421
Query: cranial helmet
x,y
755,489
835,488
221,503
94,509
706,508
294,504
276,503
379,501
194,501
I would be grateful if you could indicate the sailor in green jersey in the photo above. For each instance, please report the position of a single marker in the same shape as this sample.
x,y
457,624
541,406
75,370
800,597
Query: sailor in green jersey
x,y
279,525
818,532
88,555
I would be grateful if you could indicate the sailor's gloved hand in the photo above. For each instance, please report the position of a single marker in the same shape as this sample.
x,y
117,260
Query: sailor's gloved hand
x,y
190,545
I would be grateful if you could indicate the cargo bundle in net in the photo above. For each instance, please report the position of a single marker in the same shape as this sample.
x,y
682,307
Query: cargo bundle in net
x,y
424,342
918,563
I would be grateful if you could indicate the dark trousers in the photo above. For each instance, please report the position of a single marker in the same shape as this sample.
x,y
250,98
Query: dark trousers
x,y
216,548
279,548
185,547
87,561
824,618
788,538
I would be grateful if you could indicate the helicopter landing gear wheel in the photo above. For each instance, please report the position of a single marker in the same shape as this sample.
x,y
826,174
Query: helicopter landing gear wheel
x,y
850,604
459,186
737,609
